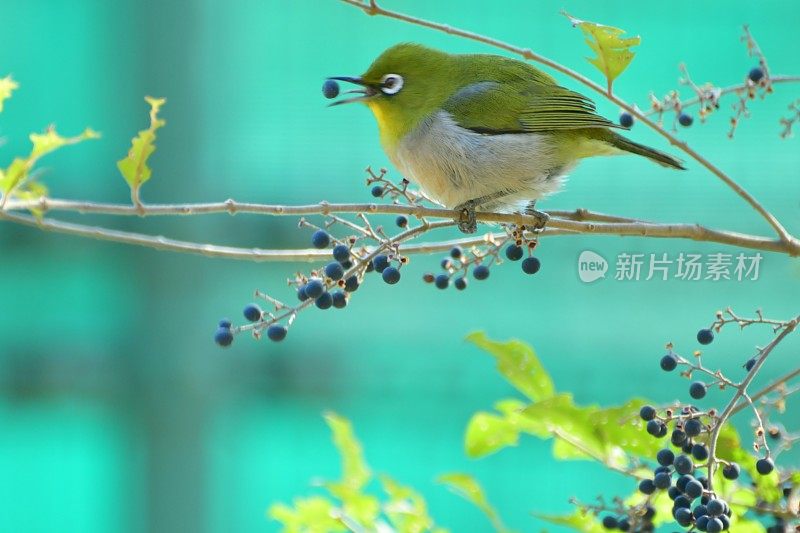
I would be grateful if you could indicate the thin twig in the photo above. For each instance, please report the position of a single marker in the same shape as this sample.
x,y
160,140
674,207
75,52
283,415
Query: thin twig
x,y
740,393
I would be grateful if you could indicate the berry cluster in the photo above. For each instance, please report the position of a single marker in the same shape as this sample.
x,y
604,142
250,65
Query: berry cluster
x,y
693,432
456,266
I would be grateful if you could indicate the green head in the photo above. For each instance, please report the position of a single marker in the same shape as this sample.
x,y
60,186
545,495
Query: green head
x,y
403,85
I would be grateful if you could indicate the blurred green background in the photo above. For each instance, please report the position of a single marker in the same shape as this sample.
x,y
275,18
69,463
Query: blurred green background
x,y
117,411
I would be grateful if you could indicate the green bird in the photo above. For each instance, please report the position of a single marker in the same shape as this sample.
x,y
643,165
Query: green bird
x,y
483,131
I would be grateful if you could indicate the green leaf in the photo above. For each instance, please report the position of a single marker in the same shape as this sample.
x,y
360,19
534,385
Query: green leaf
x,y
309,515
355,472
364,508
468,488
578,520
15,181
519,364
406,508
134,166
7,86
613,51
487,433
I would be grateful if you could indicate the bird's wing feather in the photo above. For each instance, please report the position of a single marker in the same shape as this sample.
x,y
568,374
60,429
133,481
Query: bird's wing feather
x,y
523,107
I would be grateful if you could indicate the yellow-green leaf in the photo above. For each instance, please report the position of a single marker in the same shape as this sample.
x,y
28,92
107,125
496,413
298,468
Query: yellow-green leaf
x,y
133,167
487,433
468,488
406,508
355,472
364,508
613,51
578,520
309,515
14,178
7,86
519,365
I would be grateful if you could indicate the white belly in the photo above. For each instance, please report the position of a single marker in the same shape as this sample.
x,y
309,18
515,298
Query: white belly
x,y
453,165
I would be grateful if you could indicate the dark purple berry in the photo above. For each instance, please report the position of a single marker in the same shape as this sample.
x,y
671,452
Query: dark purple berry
x,y
223,336
330,89
625,119
391,275
252,312
320,239
276,332
705,336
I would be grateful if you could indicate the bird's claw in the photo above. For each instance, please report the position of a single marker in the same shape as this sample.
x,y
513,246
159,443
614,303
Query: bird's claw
x,y
541,219
467,222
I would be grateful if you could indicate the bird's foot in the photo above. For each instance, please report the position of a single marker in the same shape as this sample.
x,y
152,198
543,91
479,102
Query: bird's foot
x,y
466,220
540,216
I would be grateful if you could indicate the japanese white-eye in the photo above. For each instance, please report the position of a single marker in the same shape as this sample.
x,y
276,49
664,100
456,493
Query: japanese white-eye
x,y
482,131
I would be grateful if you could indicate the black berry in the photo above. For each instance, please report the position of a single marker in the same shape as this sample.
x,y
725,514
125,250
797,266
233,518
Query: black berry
x,y
700,452
646,486
610,522
697,390
380,262
750,364
341,253
223,336
351,283
225,323
391,275
401,221
647,412
330,89
339,300
756,74
377,191
683,464
325,301
442,281
456,252
665,457
705,336
461,283
514,252
765,466
531,265
314,288
685,120
252,312
693,427
320,239
625,119
481,272
669,362
731,471
276,332
334,270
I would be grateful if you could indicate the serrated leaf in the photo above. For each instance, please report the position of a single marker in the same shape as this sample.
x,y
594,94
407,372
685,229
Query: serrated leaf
x,y
308,515
406,508
486,433
578,520
7,86
17,179
364,508
355,472
519,365
133,167
613,51
468,488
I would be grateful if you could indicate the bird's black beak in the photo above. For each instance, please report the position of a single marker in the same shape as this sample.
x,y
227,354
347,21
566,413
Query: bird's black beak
x,y
366,92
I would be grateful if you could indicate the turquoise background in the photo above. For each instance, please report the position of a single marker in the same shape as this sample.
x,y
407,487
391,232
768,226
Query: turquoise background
x,y
117,411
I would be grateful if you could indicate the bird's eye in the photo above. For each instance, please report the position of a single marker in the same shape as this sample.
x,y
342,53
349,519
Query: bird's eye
x,y
391,84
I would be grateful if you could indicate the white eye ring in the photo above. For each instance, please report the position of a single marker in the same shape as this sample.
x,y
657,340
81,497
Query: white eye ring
x,y
391,84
